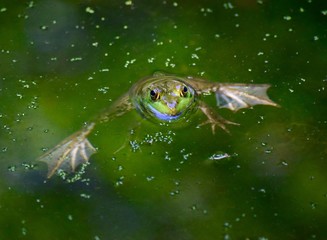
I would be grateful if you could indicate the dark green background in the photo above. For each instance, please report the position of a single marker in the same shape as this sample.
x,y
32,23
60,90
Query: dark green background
x,y
62,62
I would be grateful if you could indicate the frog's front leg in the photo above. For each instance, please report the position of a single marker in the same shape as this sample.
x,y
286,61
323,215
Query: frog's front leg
x,y
213,118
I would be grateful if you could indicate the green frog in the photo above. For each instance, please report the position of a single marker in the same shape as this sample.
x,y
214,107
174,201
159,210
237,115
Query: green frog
x,y
160,98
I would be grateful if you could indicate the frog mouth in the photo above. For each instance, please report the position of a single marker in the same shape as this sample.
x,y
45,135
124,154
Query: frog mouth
x,y
164,116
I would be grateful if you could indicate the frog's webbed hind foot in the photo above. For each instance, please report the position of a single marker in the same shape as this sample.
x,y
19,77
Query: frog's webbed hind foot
x,y
238,96
73,151
214,119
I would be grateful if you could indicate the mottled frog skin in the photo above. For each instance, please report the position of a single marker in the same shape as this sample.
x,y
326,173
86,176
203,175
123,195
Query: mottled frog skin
x,y
160,98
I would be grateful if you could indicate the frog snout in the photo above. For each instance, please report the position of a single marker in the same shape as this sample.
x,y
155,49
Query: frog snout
x,y
171,105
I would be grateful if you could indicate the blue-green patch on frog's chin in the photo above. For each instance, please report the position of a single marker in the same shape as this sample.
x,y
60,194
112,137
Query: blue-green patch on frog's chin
x,y
162,116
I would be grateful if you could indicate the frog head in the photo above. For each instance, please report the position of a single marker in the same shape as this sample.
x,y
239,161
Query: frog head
x,y
165,98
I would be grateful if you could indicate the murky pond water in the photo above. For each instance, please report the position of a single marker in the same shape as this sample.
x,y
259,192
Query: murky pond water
x,y
62,62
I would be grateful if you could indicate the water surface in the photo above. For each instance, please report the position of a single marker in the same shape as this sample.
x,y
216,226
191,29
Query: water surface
x,y
62,62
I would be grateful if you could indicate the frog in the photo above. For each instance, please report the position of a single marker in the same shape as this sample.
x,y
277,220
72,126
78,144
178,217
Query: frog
x,y
160,98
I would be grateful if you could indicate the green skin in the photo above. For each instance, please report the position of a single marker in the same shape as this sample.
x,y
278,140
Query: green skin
x,y
163,99
160,98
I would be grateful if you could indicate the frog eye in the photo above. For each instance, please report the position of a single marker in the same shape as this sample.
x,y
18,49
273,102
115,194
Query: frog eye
x,y
184,91
154,95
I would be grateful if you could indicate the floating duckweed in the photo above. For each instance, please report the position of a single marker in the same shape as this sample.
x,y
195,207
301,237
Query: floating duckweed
x,y
186,156
149,178
228,5
158,137
103,90
84,195
70,217
28,166
151,60
284,163
75,59
194,56
89,10
44,149
167,157
262,190
24,231
219,156
324,12
313,205
74,177
128,62
206,11
194,207
34,103
134,145
43,28
12,168
173,193
120,181
287,18
128,3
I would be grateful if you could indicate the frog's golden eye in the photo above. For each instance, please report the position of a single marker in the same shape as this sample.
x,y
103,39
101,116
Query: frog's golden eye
x,y
154,95
184,91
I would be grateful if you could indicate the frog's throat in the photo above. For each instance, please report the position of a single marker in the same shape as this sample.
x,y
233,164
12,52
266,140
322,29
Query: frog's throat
x,y
163,116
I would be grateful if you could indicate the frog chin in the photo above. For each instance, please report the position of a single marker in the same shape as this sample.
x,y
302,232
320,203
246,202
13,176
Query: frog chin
x,y
173,115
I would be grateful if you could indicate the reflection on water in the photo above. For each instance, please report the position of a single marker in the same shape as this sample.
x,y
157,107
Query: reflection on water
x,y
63,62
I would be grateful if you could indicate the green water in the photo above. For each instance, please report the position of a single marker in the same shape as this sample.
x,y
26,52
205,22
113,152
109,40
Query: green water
x,y
62,62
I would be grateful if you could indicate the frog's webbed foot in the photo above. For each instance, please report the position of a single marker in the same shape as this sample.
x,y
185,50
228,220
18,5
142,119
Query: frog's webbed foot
x,y
214,119
238,96
73,151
